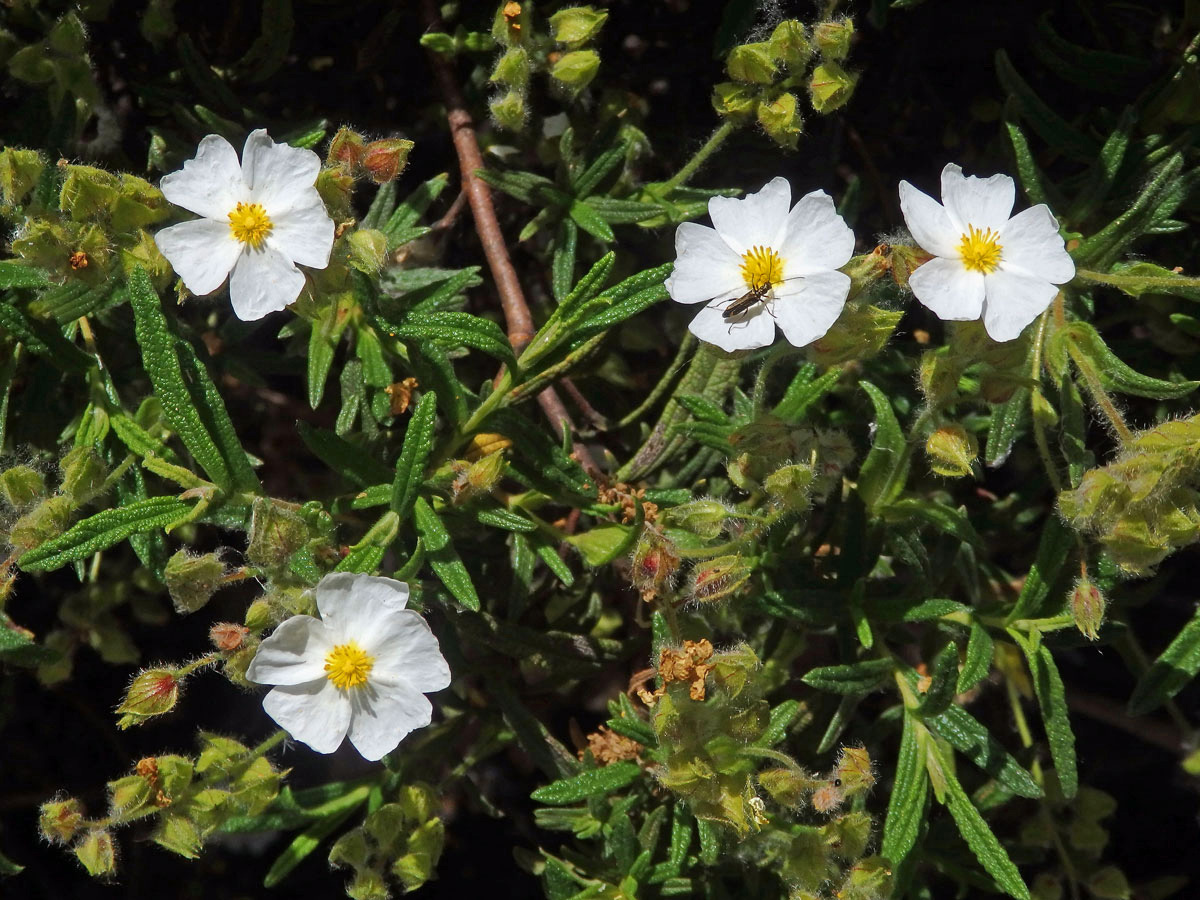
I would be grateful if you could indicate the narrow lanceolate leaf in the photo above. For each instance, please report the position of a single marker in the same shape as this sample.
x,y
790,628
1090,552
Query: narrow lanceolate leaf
x,y
343,457
594,783
857,678
906,806
978,662
1052,699
1177,665
443,558
18,650
804,391
1052,554
162,365
16,275
410,467
43,339
883,473
1007,418
966,734
979,837
452,329
216,418
364,559
1116,375
103,530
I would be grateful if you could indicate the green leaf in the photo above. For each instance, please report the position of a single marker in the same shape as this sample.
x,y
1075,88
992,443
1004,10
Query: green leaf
x,y
703,409
1050,126
1171,672
344,457
562,266
1027,168
414,455
1102,174
1007,418
452,330
593,783
943,679
365,559
162,365
443,558
321,349
103,530
1163,193
780,719
979,837
910,793
1052,699
601,545
216,418
804,391
586,181
953,522
505,520
1053,551
555,564
18,275
138,440
856,678
18,650
591,222
966,734
883,473
412,207
978,661
308,840
588,286
1116,375
44,340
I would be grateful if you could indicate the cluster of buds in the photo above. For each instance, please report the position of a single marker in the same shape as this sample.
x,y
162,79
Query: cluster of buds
x,y
83,477
765,75
381,161
563,54
400,841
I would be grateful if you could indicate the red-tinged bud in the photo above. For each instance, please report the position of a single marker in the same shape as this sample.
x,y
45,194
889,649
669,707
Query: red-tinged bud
x,y
655,564
718,578
386,159
151,693
1087,608
228,636
827,797
60,820
346,149
854,771
904,260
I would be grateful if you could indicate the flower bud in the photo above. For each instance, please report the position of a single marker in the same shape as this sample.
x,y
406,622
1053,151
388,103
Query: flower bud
x,y
787,787
384,160
335,185
151,693
508,110
512,69
192,580
480,477
576,25
350,850
275,533
789,45
827,797
425,844
705,518
83,474
833,38
97,852
751,63
60,820
576,69
45,521
1087,608
735,101
259,615
830,87
904,260
718,578
854,770
859,334
1109,883
180,835
19,172
781,120
952,451
128,796
419,801
87,193
20,486
655,563
367,250
228,636
367,884
937,374
790,485
868,879
346,149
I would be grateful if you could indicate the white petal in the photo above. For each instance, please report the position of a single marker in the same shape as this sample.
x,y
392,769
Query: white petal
x,y
201,252
354,606
705,267
929,222
278,175
1014,299
263,281
405,649
817,239
384,714
982,202
807,310
1030,240
210,184
951,291
746,332
316,713
293,654
756,220
304,233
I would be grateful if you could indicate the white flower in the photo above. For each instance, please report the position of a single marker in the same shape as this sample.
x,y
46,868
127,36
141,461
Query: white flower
x,y
985,263
363,668
260,218
758,249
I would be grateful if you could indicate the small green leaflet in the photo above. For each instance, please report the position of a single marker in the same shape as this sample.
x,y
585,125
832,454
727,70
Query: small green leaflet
x,y
1171,672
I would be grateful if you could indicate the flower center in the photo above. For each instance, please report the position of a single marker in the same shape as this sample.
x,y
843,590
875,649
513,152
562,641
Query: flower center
x,y
250,224
980,250
348,665
761,267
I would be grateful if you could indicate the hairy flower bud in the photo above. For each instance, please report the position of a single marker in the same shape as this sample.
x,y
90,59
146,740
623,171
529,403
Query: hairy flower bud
x,y
151,693
790,46
19,172
735,101
367,250
780,119
508,110
576,25
833,38
705,518
751,63
346,149
854,770
790,486
385,159
275,533
228,636
830,87
45,521
952,451
192,580
60,820
512,69
655,563
20,486
98,853
83,474
715,579
576,69
787,787
1087,607
904,259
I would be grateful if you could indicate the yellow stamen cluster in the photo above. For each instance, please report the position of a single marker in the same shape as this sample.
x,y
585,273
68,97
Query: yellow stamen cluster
x,y
980,250
348,665
250,224
761,266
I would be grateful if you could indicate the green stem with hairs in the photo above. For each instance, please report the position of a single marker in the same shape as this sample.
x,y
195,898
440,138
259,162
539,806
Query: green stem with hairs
x,y
710,146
